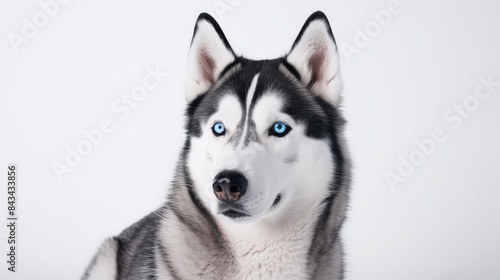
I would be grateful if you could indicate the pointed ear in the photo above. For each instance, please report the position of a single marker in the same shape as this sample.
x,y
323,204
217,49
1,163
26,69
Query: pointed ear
x,y
314,55
209,54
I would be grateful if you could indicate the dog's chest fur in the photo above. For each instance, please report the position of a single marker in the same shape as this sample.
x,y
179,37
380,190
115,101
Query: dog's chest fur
x,y
272,255
275,251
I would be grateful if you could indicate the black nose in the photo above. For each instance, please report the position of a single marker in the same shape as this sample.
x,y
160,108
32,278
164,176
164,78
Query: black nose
x,y
229,186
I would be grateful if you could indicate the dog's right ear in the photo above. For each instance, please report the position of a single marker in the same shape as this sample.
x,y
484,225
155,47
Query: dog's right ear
x,y
209,54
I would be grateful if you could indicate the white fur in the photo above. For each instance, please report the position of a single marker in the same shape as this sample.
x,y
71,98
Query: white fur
x,y
250,95
105,262
274,234
316,41
266,165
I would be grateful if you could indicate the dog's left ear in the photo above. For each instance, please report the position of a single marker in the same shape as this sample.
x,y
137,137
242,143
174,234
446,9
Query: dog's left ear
x,y
209,54
314,55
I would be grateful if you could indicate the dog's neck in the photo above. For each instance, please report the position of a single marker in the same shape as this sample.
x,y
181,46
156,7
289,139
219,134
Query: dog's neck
x,y
276,244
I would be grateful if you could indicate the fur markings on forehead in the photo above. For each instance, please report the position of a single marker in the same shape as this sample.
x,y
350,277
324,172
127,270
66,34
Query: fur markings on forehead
x,y
249,98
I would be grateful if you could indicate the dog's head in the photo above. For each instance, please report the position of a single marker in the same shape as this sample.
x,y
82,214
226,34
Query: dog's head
x,y
260,132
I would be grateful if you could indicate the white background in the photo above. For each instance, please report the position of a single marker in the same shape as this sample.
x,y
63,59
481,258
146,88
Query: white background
x,y
441,223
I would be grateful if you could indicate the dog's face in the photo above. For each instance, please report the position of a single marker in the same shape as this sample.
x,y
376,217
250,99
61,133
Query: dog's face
x,y
260,131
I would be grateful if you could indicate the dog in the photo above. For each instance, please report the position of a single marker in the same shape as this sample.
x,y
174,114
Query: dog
x,y
262,184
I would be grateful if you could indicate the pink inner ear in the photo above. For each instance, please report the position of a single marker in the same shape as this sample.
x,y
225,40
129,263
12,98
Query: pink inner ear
x,y
207,66
316,62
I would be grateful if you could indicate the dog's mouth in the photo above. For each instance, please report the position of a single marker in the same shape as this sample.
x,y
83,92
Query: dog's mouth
x,y
276,200
232,211
234,214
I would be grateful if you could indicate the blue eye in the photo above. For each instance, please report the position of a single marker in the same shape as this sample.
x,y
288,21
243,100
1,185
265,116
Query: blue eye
x,y
218,129
279,129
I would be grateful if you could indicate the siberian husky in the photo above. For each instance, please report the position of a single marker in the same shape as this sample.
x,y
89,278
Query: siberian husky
x,y
261,187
